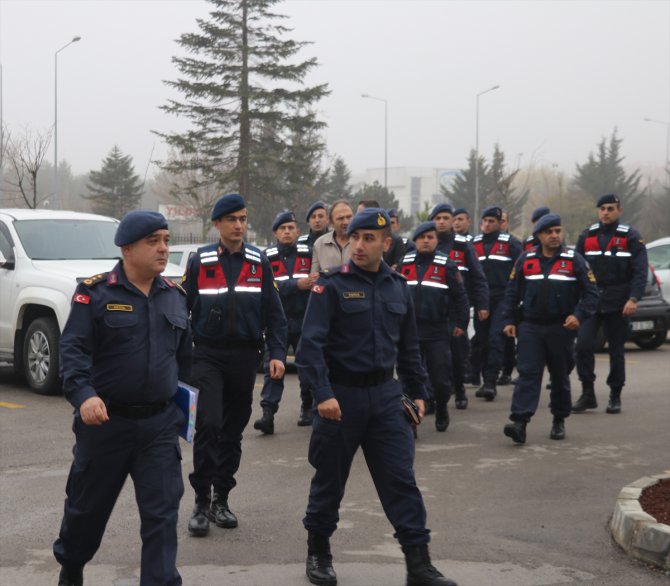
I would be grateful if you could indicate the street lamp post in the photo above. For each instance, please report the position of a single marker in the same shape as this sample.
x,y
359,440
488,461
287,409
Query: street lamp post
x,y
386,126
667,142
56,200
476,216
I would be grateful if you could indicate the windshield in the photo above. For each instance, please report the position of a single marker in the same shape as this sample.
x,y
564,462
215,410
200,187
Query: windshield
x,y
68,239
659,256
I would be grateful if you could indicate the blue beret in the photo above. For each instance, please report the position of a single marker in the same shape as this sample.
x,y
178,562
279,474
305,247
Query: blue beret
x,y
441,208
393,213
539,212
317,205
607,198
136,225
283,218
227,204
369,219
547,221
461,211
424,227
493,212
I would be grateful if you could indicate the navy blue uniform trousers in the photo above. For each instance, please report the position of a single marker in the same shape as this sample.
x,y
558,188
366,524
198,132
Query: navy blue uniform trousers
x,y
226,378
537,346
487,346
146,449
616,332
460,359
273,390
373,419
436,356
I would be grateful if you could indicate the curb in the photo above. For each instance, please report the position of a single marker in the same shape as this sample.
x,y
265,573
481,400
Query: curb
x,y
638,533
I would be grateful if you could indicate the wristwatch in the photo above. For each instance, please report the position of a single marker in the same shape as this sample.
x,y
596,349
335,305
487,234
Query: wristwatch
x,y
633,299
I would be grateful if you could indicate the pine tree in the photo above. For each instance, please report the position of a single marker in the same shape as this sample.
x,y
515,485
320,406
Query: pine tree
x,y
604,173
386,199
461,194
502,193
115,190
338,185
254,128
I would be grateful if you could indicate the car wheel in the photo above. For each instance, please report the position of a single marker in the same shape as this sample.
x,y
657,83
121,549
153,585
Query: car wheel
x,y
652,341
40,356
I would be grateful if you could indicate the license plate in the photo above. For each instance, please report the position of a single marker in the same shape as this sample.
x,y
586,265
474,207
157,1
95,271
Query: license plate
x,y
642,325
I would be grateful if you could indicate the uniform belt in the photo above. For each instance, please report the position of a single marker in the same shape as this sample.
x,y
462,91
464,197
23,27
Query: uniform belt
x,y
143,411
360,379
226,344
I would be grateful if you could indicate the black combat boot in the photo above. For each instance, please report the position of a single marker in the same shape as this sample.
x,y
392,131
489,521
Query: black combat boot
x,y
266,424
420,572
441,416
504,379
517,431
198,524
487,391
319,567
614,404
221,514
460,399
557,429
71,576
587,400
306,415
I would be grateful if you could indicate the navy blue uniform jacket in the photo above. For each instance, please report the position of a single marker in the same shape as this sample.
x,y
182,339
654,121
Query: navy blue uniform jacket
x,y
360,322
122,345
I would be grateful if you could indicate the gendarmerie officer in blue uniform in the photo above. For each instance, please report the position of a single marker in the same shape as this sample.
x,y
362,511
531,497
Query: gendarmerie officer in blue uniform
x,y
317,219
359,325
532,241
497,252
439,301
550,293
291,264
618,256
461,223
234,301
463,254
125,344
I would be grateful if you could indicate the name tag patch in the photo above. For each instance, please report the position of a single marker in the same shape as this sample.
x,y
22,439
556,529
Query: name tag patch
x,y
353,294
119,307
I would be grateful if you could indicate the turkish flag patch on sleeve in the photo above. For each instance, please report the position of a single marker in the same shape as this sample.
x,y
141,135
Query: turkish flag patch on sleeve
x,y
81,298
318,289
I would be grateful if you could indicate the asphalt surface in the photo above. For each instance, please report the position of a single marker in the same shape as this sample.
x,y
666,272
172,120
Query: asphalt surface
x,y
500,514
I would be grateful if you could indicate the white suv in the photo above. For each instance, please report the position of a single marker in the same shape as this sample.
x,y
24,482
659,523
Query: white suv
x,y
43,255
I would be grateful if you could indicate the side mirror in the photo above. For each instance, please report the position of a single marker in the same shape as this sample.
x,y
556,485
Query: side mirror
x,y
6,264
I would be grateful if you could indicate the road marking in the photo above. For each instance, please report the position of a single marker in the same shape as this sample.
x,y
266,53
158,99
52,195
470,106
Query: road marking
x,y
11,405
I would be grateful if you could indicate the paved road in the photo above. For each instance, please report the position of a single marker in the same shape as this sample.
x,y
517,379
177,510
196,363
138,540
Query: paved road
x,y
500,514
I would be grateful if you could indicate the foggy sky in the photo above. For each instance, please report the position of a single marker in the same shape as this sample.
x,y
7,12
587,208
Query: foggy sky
x,y
570,72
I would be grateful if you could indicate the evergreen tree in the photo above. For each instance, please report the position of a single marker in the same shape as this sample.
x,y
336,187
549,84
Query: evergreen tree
x,y
254,128
115,190
381,194
338,184
461,194
502,193
604,173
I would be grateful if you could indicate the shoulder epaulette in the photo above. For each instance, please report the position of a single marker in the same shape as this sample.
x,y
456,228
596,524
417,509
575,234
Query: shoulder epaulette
x,y
409,257
208,255
271,251
622,228
94,280
303,238
179,288
478,237
593,227
252,254
531,253
504,237
440,259
469,237
303,249
460,238
405,240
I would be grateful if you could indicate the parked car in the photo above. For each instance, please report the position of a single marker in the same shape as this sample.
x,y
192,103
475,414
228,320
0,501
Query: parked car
x,y
43,255
648,327
180,254
658,252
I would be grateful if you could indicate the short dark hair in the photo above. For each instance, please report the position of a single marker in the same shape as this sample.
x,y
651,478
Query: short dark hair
x,y
369,203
